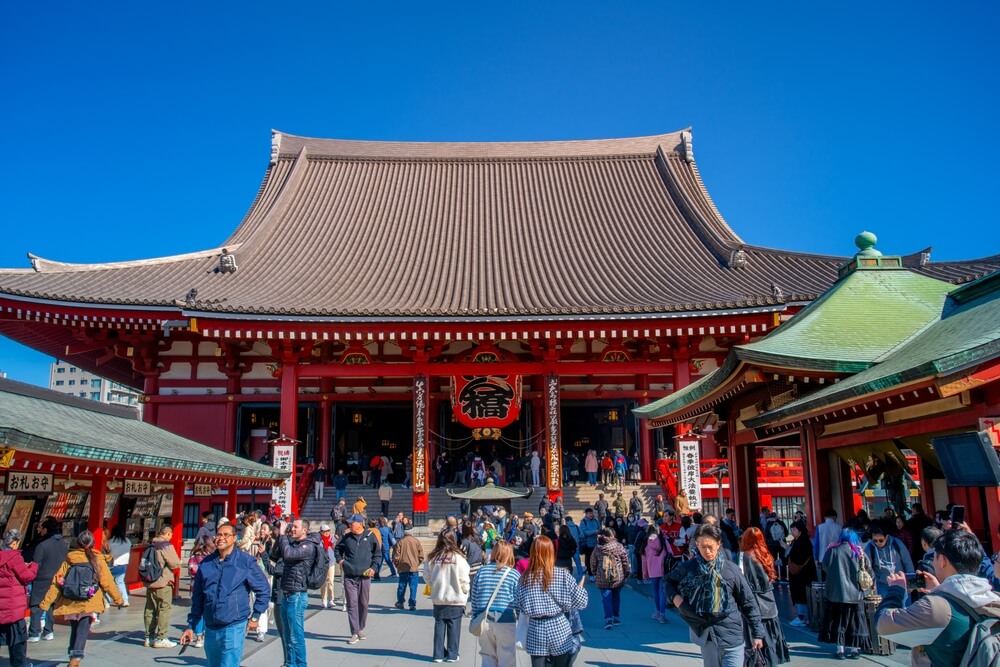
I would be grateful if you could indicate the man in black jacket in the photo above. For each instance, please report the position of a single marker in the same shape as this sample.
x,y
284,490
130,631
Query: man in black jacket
x,y
49,554
357,554
297,550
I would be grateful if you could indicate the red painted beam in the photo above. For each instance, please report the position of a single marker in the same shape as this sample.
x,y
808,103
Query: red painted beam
x,y
965,419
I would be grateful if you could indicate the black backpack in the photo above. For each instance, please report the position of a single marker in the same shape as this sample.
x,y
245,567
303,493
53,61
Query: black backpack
x,y
319,568
80,582
150,567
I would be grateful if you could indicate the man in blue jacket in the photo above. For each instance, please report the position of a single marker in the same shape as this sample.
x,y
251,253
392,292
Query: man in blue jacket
x,y
221,595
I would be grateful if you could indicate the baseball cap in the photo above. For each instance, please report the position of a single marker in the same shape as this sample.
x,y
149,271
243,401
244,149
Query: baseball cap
x,y
323,527
357,518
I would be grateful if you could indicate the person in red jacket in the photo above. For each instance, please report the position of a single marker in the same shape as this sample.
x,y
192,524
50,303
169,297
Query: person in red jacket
x,y
15,575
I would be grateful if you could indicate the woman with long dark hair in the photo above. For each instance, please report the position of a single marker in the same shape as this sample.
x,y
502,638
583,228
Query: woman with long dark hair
x,y
552,600
565,549
714,599
78,612
801,570
472,547
758,567
844,619
447,572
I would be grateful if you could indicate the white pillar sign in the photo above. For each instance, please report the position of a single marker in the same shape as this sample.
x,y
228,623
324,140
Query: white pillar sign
x,y
690,453
283,458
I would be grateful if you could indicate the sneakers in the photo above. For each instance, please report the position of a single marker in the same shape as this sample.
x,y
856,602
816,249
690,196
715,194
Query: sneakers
x,y
48,636
354,639
413,607
164,643
34,638
145,641
657,616
362,636
399,605
260,637
326,604
438,659
455,659
199,641
616,621
608,625
797,623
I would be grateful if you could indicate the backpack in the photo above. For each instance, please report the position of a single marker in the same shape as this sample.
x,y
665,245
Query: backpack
x,y
150,566
80,582
611,569
319,568
983,647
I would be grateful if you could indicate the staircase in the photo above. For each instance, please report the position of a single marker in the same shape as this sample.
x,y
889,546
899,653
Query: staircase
x,y
440,505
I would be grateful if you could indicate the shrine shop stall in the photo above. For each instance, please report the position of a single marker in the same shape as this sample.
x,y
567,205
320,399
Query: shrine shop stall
x,y
95,466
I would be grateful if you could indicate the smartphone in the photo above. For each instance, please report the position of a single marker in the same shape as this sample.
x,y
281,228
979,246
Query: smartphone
x,y
915,581
957,514
184,647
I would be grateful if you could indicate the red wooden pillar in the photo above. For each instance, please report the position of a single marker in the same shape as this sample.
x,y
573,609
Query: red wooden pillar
x,y
95,522
177,523
816,478
647,457
326,386
231,510
421,465
289,420
553,436
150,388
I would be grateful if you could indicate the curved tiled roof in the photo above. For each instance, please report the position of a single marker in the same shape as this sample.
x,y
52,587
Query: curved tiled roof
x,y
466,230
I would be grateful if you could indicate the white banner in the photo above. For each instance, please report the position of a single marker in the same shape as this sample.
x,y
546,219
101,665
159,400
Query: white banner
x,y
690,453
283,458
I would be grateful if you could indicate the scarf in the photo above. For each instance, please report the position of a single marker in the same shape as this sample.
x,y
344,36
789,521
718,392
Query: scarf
x,y
327,541
704,587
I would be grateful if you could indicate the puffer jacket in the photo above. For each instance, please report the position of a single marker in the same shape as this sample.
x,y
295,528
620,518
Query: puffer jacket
x,y
614,549
62,607
298,558
15,574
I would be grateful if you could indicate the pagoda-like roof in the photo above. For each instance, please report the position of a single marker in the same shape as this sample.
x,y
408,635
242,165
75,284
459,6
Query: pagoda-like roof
x,y
382,230
490,492
855,325
964,336
44,422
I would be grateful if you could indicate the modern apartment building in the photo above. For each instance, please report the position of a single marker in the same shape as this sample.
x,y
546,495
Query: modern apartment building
x,y
68,379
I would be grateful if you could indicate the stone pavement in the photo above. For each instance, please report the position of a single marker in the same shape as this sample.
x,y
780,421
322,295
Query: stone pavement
x,y
404,638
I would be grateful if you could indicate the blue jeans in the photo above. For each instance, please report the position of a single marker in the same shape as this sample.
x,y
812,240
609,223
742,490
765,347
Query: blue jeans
x,y
118,572
579,566
713,655
224,646
592,478
611,598
411,579
387,559
341,493
659,595
293,614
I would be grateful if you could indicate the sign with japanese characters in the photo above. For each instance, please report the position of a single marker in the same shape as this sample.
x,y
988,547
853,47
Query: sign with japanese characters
x,y
283,458
202,490
487,401
29,483
138,487
690,453
553,462
419,434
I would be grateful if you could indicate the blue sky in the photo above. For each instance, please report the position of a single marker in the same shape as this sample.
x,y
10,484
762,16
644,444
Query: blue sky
x,y
146,131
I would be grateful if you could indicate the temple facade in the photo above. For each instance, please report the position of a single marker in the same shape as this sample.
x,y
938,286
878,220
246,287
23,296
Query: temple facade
x,y
406,299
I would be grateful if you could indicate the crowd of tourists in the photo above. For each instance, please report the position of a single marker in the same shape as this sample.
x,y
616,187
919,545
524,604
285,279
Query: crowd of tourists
x,y
521,580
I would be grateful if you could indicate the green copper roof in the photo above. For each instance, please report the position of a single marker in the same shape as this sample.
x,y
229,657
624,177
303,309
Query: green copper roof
x,y
967,333
863,317
45,422
490,491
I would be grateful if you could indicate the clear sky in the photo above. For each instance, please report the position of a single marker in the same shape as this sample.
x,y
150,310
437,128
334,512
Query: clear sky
x,y
146,131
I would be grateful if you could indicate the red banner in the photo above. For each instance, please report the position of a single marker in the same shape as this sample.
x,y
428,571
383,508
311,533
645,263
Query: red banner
x,y
487,401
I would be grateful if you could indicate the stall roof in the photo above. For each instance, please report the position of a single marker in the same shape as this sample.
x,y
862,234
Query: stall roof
x,y
490,492
43,422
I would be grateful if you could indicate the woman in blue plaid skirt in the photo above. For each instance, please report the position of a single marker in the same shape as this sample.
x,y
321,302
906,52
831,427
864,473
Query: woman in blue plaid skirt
x,y
552,600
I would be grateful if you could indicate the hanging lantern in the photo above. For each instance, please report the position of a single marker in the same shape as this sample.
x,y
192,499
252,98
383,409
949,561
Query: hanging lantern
x,y
486,401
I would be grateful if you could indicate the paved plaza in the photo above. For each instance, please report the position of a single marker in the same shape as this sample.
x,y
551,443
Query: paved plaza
x,y
400,638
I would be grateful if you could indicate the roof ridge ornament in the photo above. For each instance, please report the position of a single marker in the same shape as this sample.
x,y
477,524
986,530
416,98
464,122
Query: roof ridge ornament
x,y
739,259
227,262
686,139
275,145
865,241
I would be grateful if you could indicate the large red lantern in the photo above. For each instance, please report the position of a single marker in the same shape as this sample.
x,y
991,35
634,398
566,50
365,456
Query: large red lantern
x,y
486,401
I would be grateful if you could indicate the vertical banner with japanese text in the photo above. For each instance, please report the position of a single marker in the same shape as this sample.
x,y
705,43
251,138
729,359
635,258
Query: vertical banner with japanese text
x,y
283,457
690,453
553,459
419,434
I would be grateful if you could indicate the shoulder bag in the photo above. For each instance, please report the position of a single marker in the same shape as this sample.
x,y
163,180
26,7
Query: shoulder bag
x,y
480,622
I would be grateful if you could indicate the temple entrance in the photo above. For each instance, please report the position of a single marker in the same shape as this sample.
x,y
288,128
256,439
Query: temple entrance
x,y
256,423
603,426
364,430
504,453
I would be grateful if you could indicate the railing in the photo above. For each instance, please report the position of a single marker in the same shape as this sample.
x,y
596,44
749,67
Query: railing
x,y
303,486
